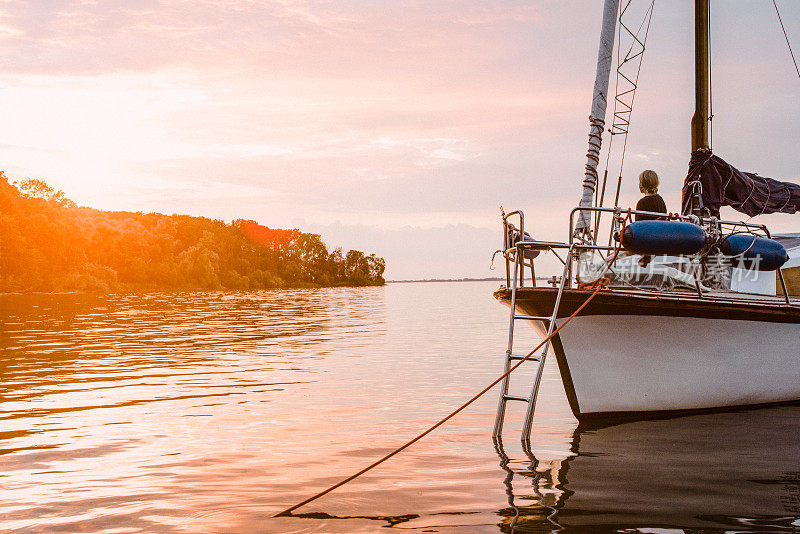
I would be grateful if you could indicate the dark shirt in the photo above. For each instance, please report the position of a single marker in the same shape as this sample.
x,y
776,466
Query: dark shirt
x,y
650,203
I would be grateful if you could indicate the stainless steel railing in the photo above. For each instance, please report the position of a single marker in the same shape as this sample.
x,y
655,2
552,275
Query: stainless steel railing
x,y
515,243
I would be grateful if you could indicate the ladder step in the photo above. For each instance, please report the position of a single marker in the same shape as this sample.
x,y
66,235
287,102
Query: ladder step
x,y
515,398
531,359
532,317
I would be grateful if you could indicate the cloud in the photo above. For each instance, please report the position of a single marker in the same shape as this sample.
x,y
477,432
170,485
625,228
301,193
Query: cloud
x,y
77,37
381,115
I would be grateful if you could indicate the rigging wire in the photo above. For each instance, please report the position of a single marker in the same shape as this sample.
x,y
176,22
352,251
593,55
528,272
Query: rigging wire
x,y
621,120
598,201
635,83
622,108
774,3
613,130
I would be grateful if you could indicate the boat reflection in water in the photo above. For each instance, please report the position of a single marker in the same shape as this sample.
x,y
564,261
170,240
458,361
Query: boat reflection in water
x,y
733,471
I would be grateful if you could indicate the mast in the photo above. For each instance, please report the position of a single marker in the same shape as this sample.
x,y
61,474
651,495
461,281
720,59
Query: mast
x,y
701,76
598,115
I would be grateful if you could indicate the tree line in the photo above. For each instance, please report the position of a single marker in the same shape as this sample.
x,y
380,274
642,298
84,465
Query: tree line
x,y
47,243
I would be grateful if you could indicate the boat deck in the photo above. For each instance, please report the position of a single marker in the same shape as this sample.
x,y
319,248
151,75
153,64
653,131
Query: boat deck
x,y
613,301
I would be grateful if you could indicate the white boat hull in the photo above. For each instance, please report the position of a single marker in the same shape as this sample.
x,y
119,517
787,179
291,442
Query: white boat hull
x,y
637,354
624,363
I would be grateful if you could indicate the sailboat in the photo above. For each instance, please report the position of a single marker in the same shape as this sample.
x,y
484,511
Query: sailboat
x,y
694,344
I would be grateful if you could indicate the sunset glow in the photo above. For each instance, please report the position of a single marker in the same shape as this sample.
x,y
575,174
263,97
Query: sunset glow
x,y
366,122
345,266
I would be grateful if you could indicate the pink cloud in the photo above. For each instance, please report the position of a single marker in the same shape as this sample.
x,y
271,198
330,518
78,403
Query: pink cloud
x,y
373,113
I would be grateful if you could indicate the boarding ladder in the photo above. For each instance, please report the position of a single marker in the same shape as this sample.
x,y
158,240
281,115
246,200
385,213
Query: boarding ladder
x,y
516,243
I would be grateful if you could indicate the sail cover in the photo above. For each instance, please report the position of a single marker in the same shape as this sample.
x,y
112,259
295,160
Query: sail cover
x,y
746,192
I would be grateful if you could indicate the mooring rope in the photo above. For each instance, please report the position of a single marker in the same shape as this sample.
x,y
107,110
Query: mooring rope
x,y
600,285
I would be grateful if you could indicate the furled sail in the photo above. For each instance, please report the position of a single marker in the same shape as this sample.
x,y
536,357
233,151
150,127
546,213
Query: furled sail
x,y
746,192
598,116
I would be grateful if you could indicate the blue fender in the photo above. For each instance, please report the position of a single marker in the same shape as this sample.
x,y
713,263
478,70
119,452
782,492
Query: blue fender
x,y
747,251
674,238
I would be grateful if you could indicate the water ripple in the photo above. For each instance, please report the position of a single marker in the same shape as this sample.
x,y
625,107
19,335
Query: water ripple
x,y
209,412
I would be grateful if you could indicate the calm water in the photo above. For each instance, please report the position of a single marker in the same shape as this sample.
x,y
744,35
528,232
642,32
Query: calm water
x,y
209,412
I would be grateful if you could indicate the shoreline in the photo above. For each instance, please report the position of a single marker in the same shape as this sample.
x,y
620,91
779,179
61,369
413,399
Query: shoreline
x,y
177,290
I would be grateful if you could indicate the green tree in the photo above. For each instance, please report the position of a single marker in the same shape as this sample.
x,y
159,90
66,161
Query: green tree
x,y
48,243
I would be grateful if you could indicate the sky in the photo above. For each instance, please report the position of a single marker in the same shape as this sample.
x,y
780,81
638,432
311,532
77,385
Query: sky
x,y
393,127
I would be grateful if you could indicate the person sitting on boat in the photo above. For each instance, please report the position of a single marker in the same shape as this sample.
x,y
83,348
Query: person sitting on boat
x,y
652,201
